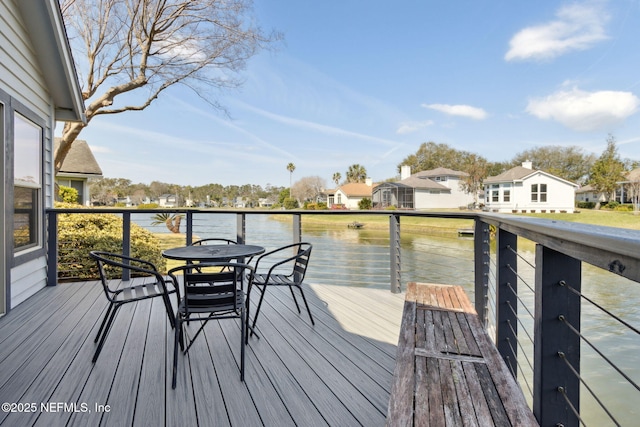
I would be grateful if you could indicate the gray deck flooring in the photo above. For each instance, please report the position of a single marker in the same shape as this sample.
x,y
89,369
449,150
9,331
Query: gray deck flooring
x,y
338,372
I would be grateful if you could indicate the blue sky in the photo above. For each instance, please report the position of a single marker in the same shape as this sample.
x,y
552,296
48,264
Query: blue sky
x,y
368,82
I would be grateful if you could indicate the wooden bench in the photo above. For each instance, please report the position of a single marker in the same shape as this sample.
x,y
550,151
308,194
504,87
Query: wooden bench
x,y
448,371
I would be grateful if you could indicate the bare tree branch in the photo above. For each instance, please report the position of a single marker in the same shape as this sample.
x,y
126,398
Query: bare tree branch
x,y
142,47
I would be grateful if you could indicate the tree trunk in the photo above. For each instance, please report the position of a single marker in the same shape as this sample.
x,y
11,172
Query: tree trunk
x,y
173,224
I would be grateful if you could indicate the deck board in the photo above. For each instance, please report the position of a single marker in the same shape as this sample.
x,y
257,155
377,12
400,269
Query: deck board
x,y
338,372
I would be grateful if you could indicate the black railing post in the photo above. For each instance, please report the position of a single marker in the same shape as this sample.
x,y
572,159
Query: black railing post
x,y
506,298
52,249
297,228
126,241
394,253
189,228
241,228
481,248
555,387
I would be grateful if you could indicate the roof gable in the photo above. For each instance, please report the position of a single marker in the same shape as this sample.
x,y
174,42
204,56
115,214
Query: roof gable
x,y
44,22
80,159
356,189
520,173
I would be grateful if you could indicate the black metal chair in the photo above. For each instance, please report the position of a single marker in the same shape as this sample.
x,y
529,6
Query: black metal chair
x,y
212,290
282,270
111,265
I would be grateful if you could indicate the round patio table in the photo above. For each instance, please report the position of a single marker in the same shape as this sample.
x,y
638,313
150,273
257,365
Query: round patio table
x,y
211,253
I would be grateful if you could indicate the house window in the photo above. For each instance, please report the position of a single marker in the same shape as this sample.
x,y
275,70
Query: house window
x,y
539,193
339,199
495,195
27,183
506,196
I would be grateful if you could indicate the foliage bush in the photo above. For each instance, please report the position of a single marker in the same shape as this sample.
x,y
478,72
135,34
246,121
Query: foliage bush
x,y
391,208
148,206
315,206
623,208
586,205
365,204
78,234
68,194
290,203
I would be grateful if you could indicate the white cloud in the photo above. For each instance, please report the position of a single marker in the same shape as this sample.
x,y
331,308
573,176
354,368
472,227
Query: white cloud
x,y
459,110
409,127
585,111
577,27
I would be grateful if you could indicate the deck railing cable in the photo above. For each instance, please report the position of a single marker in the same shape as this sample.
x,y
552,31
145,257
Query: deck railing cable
x,y
584,383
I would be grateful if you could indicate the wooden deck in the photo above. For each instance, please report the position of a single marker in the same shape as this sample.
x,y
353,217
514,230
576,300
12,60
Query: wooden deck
x,y
338,372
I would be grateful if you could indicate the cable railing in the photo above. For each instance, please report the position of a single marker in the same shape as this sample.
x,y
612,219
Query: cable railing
x,y
559,298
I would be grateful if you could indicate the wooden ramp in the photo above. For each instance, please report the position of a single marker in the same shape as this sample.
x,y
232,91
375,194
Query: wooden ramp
x,y
448,372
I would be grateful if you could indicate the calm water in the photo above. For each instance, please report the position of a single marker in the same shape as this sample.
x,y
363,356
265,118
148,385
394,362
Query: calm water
x,y
361,258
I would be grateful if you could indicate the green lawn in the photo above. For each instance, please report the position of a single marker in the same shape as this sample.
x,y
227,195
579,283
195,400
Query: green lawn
x,y
619,219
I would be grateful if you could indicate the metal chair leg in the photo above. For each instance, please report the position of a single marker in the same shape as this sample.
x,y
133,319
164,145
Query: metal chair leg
x,y
105,332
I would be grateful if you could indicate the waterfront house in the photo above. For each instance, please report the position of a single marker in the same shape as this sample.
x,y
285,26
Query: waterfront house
x,y
349,195
38,86
438,188
168,201
524,189
78,169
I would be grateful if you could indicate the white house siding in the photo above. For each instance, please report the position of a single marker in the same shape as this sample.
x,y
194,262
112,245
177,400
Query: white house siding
x,y
438,199
21,78
560,195
348,202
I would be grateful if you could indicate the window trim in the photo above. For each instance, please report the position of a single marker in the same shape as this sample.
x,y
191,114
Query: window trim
x,y
13,106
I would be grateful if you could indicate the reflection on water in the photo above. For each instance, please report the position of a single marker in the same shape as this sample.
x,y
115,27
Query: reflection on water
x,y
360,257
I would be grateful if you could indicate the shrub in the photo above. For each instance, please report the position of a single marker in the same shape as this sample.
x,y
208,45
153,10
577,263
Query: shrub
x,y
78,234
391,208
290,203
364,204
68,194
148,206
624,208
586,205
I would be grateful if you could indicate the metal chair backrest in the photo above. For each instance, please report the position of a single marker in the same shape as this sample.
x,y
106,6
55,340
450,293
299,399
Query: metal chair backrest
x,y
210,287
110,266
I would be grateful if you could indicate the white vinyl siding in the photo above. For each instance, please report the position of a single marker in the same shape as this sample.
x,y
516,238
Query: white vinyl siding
x,y
21,78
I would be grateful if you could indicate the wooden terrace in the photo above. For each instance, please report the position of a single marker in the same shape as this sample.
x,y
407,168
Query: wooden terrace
x,y
338,372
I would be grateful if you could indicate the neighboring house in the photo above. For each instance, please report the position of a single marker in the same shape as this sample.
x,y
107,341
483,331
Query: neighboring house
x,y
168,201
265,203
588,194
433,189
349,195
78,169
38,86
522,189
629,190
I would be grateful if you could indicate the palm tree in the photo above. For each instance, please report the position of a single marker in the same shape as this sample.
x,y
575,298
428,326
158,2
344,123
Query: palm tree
x,y
290,167
172,221
337,177
356,173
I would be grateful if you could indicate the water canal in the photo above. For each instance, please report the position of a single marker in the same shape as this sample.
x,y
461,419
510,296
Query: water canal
x,y
360,257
